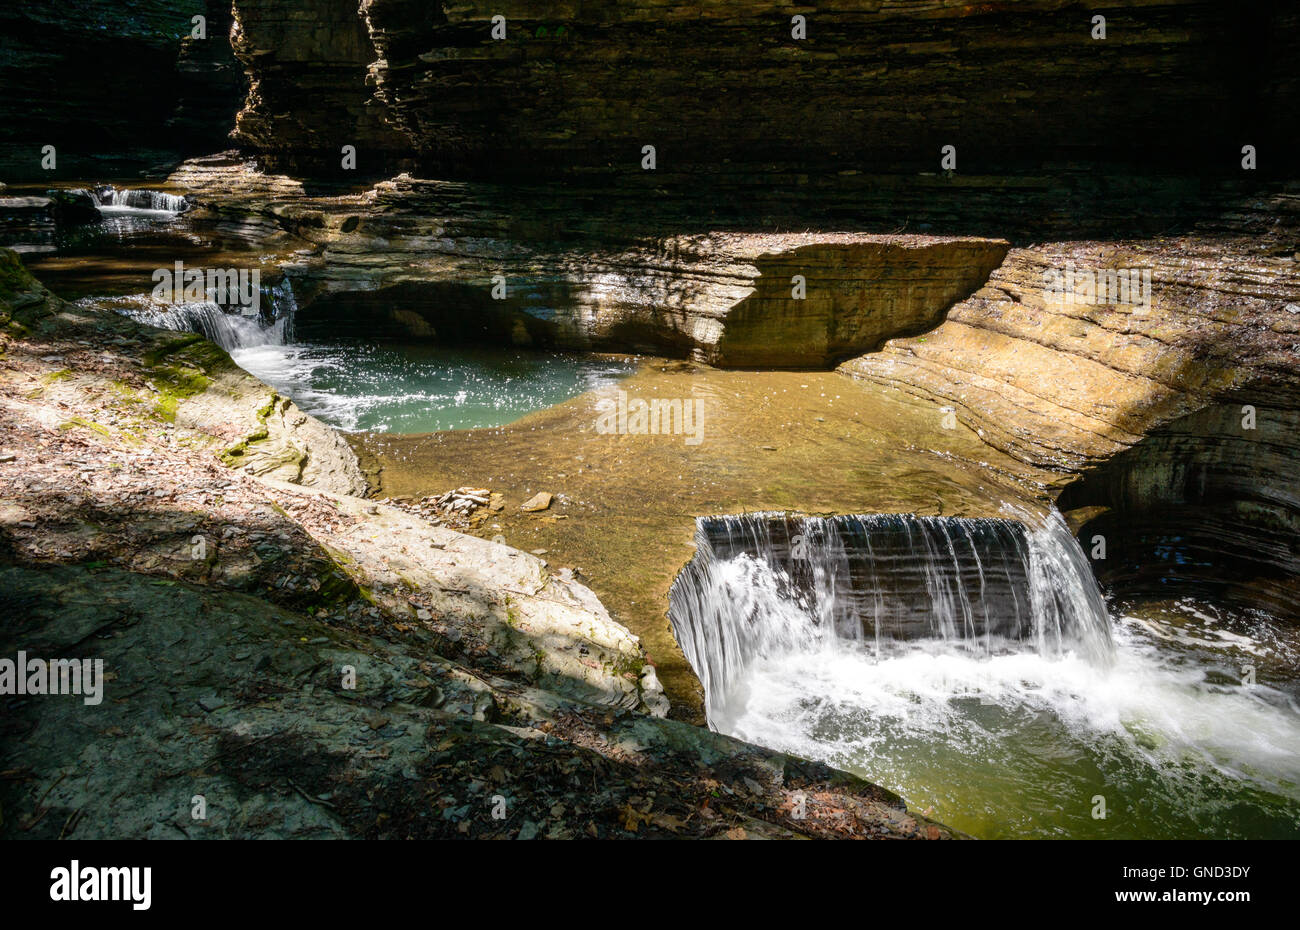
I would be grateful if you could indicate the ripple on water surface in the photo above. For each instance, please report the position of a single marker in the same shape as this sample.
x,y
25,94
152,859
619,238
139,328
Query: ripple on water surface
x,y
1022,745
385,387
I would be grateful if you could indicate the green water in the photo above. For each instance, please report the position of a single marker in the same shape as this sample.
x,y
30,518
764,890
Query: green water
x,y
387,387
1170,742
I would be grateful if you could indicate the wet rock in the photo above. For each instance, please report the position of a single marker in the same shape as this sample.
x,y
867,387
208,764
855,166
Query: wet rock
x,y
72,207
539,501
1176,407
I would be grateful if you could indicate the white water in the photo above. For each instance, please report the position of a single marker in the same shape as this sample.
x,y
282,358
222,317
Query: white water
x,y
357,385
110,200
729,611
234,332
998,736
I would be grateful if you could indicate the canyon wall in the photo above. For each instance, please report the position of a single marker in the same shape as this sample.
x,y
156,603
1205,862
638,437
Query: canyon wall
x,y
114,87
1178,414
450,262
725,91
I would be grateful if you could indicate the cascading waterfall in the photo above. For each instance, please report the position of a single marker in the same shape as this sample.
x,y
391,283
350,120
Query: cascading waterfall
x,y
233,329
763,584
972,666
109,199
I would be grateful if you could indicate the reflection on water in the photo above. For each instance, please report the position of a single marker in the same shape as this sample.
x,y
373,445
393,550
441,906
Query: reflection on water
x,y
139,230
1194,730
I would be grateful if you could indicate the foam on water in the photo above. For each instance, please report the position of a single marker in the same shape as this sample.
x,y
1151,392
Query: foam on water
x,y
1000,736
385,387
363,385
234,332
109,200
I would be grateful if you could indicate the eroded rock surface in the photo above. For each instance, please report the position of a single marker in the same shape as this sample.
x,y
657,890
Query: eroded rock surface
x,y
303,662
221,701
1190,400
726,89
444,262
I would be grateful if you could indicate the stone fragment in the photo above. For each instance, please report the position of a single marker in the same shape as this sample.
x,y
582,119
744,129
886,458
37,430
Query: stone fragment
x,y
539,501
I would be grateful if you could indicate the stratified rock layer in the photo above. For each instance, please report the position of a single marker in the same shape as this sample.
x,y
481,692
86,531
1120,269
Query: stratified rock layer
x,y
113,86
446,261
277,660
1150,402
582,88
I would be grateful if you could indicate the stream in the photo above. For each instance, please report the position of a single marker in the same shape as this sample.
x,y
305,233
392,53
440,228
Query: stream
x,y
989,680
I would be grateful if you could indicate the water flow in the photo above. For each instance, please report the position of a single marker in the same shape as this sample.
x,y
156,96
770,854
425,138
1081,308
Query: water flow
x,y
762,585
230,330
971,665
111,200
361,384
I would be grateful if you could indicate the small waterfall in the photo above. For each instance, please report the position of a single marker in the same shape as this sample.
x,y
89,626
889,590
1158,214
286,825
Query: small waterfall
x,y
231,331
110,198
770,584
230,328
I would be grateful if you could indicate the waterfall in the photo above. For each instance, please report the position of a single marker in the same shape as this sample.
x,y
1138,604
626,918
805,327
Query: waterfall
x,y
231,331
110,199
766,585
229,328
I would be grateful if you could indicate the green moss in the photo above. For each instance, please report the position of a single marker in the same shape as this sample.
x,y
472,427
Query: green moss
x,y
180,368
233,456
336,586
63,374
76,422
14,276
125,391
171,347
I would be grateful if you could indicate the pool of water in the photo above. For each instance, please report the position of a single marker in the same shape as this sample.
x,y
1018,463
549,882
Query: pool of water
x,y
1172,740
401,388
1192,731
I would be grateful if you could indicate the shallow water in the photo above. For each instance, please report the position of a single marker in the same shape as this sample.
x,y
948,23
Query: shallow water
x,y
999,742
625,504
117,256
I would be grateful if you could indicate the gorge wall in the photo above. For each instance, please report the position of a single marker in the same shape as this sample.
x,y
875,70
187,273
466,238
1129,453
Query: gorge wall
x,y
1176,414
726,93
1123,152
114,86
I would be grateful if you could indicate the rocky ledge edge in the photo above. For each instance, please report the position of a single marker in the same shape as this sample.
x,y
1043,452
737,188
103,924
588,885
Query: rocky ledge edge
x,y
283,658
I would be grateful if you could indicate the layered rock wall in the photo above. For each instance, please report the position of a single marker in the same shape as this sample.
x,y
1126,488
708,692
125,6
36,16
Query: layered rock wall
x,y
1179,414
581,88
113,87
